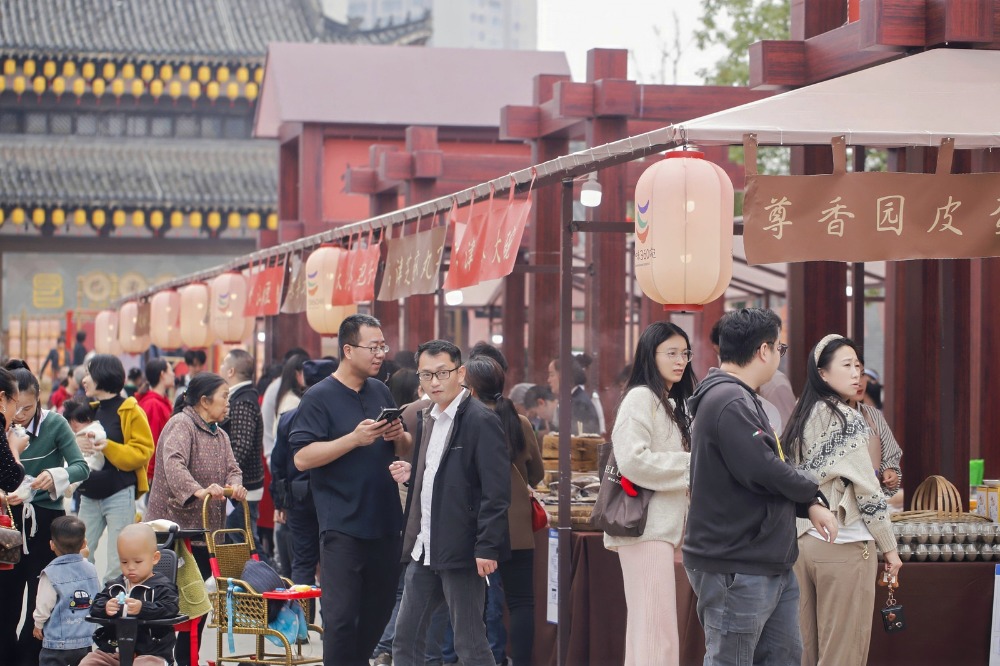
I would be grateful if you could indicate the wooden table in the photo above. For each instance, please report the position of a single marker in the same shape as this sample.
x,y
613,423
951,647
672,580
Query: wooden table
x,y
948,606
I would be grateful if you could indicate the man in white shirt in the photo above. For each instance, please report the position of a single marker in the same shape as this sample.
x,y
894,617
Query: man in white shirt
x,y
456,517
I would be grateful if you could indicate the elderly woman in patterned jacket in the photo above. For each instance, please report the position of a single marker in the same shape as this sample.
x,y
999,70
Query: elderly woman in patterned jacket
x,y
194,460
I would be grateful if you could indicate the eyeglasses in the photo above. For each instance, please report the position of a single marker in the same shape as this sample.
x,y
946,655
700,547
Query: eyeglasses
x,y
782,348
441,375
374,349
673,355
25,409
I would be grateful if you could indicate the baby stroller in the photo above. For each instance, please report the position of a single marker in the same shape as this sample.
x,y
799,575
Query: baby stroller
x,y
241,609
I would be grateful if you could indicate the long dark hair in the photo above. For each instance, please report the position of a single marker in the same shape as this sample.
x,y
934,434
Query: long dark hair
x,y
486,378
290,380
645,373
816,390
8,386
26,381
202,385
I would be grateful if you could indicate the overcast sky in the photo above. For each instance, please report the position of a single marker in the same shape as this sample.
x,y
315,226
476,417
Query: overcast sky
x,y
575,26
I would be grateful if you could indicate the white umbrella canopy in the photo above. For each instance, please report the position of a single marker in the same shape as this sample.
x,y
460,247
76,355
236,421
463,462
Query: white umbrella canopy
x,y
914,101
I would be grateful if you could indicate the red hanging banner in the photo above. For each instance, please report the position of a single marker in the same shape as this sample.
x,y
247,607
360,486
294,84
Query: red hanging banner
x,y
266,285
467,248
343,284
365,270
503,236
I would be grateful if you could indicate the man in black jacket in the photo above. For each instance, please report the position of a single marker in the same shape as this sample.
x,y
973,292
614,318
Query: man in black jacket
x,y
245,427
456,512
741,539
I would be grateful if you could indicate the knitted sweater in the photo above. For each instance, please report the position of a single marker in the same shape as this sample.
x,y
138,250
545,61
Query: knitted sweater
x,y
245,427
53,447
649,451
838,457
189,457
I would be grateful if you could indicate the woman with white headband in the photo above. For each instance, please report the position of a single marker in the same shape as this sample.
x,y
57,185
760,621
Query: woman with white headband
x,y
829,440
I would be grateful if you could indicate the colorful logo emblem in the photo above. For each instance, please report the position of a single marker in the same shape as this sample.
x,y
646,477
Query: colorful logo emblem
x,y
642,226
312,284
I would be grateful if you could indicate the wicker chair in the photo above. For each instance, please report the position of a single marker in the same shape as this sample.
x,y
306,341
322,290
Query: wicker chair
x,y
248,608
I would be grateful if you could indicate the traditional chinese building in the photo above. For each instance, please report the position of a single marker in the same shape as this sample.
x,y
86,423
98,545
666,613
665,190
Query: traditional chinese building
x,y
125,139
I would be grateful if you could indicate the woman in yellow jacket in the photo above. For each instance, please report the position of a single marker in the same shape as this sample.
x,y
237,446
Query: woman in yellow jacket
x,y
108,496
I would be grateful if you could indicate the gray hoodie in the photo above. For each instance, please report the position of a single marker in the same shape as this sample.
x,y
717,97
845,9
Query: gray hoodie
x,y
744,497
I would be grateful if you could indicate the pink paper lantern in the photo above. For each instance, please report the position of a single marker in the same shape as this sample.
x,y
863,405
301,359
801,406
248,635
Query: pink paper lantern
x,y
106,333
165,319
228,295
684,231
127,318
321,271
195,331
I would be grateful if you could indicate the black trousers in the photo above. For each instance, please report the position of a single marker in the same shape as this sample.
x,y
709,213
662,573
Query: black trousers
x,y
517,574
303,525
359,579
182,648
22,649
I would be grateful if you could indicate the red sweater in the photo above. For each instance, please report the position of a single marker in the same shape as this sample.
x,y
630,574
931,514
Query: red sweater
x,y
158,410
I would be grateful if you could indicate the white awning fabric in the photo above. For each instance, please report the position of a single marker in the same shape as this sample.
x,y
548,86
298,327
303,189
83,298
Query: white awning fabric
x,y
914,101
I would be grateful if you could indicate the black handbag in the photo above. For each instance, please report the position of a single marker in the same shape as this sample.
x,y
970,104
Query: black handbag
x,y
11,541
616,512
893,618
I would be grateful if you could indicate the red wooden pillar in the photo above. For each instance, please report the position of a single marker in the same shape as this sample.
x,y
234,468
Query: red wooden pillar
x,y
817,291
984,347
387,312
300,212
420,312
544,243
701,344
513,327
605,304
929,310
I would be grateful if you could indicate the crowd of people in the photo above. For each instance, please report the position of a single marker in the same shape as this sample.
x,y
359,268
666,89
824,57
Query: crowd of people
x,y
403,485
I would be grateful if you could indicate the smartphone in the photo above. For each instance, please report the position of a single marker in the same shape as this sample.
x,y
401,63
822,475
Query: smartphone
x,y
389,414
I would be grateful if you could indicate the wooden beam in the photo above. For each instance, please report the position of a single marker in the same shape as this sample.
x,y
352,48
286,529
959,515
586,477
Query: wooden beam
x,y
674,104
224,245
776,64
961,21
823,46
891,24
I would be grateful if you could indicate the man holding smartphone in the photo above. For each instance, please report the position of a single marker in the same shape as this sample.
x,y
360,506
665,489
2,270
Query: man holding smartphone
x,y
336,435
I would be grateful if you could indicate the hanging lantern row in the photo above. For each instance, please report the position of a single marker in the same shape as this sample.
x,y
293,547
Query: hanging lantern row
x,y
134,79
154,219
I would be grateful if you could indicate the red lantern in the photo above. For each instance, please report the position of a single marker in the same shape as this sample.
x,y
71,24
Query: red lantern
x,y
684,231
228,295
127,318
321,271
165,319
195,331
106,333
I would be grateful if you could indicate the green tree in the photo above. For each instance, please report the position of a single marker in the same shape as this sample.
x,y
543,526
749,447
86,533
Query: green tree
x,y
735,25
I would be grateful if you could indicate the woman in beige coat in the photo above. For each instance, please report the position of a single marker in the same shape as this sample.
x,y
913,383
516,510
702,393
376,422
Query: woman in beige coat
x,y
652,446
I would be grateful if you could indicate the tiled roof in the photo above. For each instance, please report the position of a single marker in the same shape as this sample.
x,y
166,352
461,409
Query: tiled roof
x,y
165,174
180,29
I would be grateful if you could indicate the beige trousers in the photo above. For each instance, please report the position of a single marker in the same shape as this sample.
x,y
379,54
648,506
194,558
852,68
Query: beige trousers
x,y
836,601
651,597
98,658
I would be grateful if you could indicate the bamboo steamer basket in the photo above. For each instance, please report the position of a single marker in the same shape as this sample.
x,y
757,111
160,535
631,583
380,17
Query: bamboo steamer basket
x,y
937,500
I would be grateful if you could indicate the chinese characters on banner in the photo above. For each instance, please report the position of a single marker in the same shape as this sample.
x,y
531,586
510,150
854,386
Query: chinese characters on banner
x,y
412,264
354,281
502,239
266,284
142,316
871,217
295,299
466,246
